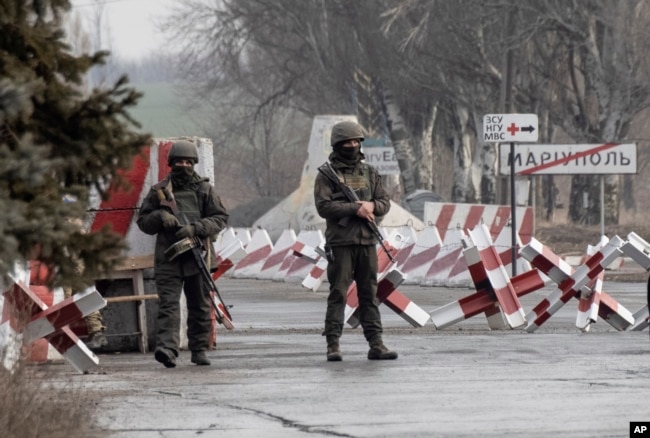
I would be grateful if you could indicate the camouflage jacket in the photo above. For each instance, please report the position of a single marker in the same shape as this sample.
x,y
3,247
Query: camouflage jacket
x,y
344,227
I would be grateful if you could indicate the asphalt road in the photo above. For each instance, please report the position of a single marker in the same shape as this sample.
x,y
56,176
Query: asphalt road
x,y
269,376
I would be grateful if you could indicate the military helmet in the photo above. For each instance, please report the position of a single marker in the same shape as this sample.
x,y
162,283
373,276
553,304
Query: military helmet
x,y
344,131
183,149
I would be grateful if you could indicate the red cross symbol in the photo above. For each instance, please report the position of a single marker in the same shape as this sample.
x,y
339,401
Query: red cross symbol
x,y
512,129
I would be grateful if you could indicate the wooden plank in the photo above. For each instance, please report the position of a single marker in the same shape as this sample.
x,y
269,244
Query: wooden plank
x,y
136,262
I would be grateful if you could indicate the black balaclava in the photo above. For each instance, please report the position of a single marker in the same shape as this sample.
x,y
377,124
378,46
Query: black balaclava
x,y
349,155
181,175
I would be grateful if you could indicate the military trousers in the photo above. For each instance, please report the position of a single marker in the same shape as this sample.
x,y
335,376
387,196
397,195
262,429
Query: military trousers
x,y
353,263
199,322
94,321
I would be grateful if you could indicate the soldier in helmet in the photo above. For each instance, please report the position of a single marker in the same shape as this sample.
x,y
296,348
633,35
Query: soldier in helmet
x,y
198,200
351,246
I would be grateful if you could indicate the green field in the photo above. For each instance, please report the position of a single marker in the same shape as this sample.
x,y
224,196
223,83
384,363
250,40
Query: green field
x,y
161,113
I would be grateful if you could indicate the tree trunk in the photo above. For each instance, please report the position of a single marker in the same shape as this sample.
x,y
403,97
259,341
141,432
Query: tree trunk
x,y
549,194
629,202
424,166
463,189
401,142
487,164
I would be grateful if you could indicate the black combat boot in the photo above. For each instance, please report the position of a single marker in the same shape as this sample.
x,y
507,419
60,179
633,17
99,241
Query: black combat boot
x,y
199,358
333,350
165,357
378,351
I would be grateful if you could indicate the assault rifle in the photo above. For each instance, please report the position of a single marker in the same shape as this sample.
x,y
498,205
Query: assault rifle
x,y
327,170
193,244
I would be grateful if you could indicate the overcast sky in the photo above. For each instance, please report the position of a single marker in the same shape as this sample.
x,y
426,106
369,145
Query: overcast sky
x,y
133,25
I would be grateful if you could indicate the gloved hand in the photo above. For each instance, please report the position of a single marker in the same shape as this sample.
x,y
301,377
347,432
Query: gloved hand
x,y
186,231
169,220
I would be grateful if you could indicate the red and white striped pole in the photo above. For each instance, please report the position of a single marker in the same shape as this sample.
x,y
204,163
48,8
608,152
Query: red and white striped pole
x,y
570,282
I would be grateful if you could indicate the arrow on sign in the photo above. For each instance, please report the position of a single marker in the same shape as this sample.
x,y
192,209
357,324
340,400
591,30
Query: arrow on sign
x,y
510,127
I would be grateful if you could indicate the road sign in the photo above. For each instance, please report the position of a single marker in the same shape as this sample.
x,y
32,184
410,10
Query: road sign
x,y
568,159
382,158
510,128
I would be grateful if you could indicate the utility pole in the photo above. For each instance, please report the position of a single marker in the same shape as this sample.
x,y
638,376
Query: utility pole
x,y
505,98
507,105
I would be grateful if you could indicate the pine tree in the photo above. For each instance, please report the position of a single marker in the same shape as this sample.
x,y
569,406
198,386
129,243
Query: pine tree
x,y
57,141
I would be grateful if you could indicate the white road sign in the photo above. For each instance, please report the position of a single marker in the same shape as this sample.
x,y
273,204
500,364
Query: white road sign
x,y
383,158
568,159
510,128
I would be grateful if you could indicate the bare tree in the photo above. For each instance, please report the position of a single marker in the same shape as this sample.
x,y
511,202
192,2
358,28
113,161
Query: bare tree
x,y
601,46
451,48
422,71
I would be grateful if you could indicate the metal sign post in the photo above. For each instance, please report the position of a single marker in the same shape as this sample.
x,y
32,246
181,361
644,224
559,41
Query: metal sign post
x,y
513,214
511,128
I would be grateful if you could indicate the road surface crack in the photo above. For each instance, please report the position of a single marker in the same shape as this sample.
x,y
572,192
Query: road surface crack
x,y
289,423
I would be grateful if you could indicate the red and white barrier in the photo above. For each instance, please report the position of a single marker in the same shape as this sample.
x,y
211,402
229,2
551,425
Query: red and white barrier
x,y
399,303
503,244
571,282
448,259
589,303
297,267
485,299
384,266
388,279
258,249
498,277
455,312
119,210
451,220
542,258
316,275
243,235
21,302
386,287
445,217
641,319
226,257
424,260
317,257
310,253
479,303
411,237
639,251
557,270
225,239
280,251
614,313
36,276
53,318
424,252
